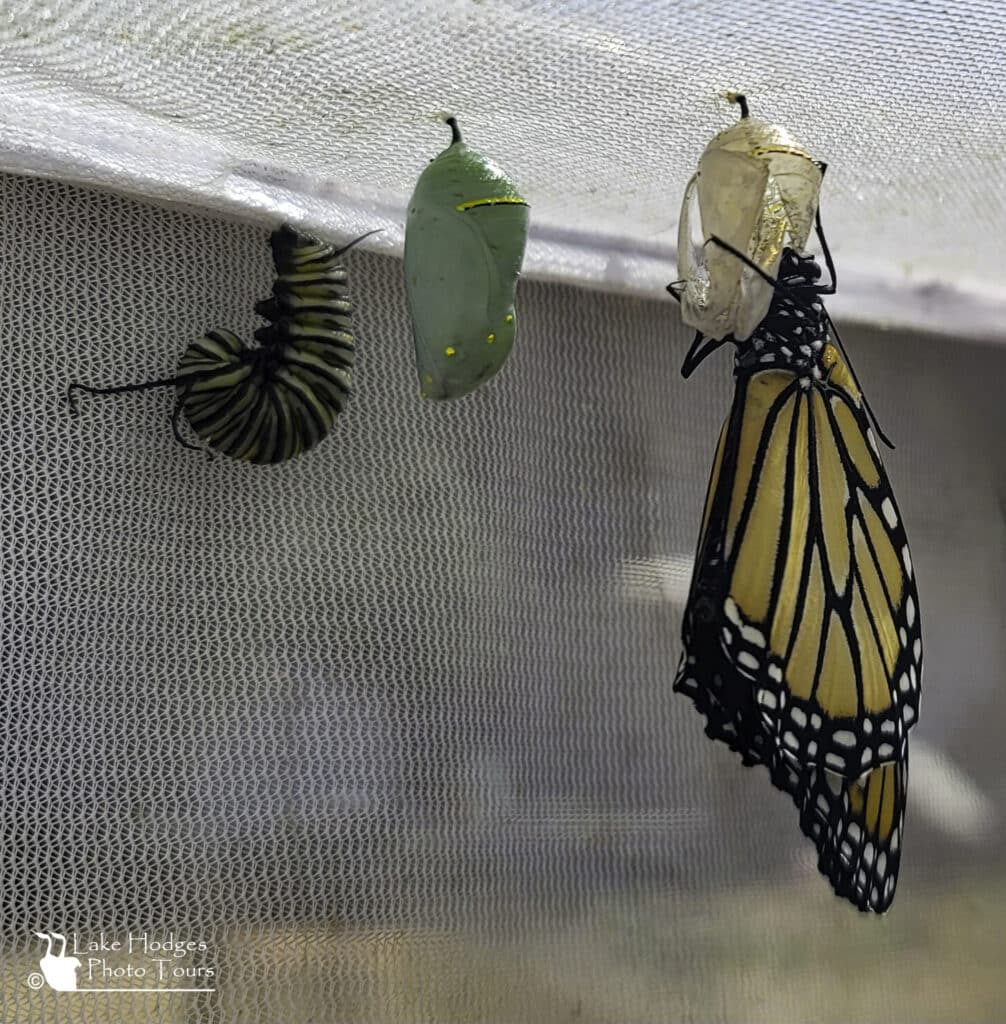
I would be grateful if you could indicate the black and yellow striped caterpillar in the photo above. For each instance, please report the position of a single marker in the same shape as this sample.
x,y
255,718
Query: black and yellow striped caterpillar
x,y
269,403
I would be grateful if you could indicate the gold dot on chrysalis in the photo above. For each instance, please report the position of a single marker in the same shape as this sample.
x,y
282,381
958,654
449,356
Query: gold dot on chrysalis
x,y
427,379
509,318
490,338
450,351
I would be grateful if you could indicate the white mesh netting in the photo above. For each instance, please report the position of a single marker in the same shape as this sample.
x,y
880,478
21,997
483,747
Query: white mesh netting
x,y
324,112
389,729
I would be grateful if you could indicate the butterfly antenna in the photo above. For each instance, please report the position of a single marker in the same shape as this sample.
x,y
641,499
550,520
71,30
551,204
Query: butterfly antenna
x,y
774,281
866,402
828,261
830,264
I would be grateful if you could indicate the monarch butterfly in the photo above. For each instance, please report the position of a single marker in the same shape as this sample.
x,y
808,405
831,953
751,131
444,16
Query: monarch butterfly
x,y
802,638
268,403
464,246
757,189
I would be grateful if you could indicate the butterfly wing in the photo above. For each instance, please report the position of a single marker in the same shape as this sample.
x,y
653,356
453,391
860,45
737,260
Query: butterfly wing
x,y
840,681
805,576
801,632
857,827
707,673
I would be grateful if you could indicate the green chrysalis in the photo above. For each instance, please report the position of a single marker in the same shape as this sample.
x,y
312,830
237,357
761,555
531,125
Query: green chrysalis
x,y
464,245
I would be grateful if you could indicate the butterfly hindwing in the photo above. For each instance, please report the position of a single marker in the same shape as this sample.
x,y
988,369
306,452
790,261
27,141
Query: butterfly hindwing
x,y
707,674
857,827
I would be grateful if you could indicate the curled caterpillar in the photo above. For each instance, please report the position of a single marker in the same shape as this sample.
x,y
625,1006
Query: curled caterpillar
x,y
270,402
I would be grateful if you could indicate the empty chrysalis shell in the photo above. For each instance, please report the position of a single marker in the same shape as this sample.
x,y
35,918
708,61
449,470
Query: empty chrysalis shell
x,y
464,245
757,189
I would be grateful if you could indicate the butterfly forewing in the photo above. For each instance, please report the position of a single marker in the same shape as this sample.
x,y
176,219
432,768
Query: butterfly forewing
x,y
799,577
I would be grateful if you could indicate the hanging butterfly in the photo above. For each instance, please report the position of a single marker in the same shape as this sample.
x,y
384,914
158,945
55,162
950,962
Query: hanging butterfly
x,y
273,401
464,246
802,639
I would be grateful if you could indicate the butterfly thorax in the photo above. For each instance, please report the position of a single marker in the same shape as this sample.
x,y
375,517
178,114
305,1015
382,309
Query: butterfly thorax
x,y
794,333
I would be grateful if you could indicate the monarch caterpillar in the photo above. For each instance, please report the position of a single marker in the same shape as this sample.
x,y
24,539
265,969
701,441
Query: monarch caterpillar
x,y
271,402
464,246
756,189
802,638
